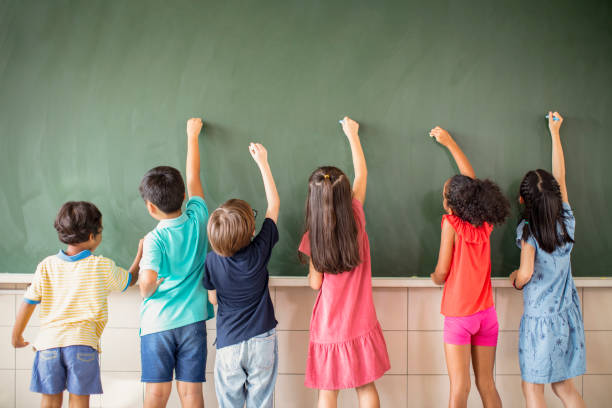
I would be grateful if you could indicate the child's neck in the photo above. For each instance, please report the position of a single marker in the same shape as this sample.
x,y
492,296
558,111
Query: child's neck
x,y
168,216
72,250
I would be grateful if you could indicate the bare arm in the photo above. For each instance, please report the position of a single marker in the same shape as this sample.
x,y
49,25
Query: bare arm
x,y
445,139
315,278
558,160
447,241
192,168
149,283
351,130
135,268
260,155
212,296
21,321
523,274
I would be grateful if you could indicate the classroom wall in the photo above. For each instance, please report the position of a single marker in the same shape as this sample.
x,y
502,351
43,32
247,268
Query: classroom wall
x,y
412,328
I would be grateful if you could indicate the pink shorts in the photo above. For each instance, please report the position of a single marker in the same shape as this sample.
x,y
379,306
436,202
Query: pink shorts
x,y
479,329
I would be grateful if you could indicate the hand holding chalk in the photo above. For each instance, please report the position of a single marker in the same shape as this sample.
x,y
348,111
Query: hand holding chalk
x,y
554,121
258,153
349,126
194,126
441,136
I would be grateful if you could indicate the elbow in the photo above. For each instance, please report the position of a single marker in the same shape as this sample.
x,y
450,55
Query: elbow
x,y
315,285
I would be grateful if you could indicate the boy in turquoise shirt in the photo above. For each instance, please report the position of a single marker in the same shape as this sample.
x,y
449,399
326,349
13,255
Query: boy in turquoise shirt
x,y
175,305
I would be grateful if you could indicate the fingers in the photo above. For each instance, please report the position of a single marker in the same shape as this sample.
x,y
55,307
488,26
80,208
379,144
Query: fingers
x,y
558,116
159,281
256,148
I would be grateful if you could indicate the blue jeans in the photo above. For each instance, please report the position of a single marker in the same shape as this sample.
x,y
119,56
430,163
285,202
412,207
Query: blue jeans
x,y
246,372
75,368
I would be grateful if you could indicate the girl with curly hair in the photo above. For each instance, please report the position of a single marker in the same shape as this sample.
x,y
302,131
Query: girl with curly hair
x,y
473,206
551,335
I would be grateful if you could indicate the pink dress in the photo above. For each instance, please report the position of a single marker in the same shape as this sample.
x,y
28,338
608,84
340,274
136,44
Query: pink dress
x,y
347,348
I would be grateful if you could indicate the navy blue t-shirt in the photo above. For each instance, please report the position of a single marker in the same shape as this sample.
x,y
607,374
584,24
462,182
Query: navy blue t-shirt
x,y
241,281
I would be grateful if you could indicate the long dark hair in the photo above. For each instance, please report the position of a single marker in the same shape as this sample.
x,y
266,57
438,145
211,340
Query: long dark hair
x,y
476,201
330,221
543,210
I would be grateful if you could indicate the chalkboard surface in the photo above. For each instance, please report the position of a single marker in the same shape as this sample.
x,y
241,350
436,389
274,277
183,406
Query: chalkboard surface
x,y
94,93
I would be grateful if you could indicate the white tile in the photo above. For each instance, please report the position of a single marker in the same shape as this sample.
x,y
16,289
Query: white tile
x,y
211,352
7,351
120,350
599,358
597,390
24,398
596,307
293,307
7,388
509,306
24,357
290,392
292,351
210,399
121,389
397,347
424,309
391,307
7,306
507,354
124,309
426,352
35,318
433,391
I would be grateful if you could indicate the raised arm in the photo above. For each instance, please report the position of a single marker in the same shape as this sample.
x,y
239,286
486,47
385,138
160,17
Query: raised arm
x,y
558,160
445,139
260,155
192,169
351,130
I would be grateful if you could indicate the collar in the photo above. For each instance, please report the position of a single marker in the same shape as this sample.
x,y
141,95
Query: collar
x,y
172,222
81,255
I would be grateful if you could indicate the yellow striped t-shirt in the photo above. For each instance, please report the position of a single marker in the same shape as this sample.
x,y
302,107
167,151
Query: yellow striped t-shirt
x,y
72,292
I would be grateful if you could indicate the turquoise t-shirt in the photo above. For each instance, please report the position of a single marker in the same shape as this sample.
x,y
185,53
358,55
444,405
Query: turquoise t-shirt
x,y
176,250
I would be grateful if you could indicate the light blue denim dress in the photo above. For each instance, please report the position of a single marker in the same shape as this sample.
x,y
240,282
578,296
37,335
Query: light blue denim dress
x,y
551,336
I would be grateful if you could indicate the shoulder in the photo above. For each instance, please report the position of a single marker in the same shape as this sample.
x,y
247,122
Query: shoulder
x,y
358,211
100,261
196,204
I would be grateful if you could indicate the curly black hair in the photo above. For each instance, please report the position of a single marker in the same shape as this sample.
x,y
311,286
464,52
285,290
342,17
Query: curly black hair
x,y
476,201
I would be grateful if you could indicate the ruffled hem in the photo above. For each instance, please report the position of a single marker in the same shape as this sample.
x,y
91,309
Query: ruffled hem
x,y
467,231
348,364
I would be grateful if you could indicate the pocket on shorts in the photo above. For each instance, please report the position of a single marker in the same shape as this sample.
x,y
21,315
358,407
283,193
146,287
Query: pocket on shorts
x,y
47,355
86,357
228,358
264,351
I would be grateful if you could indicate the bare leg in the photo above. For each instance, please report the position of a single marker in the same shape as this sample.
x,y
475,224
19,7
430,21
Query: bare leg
x,y
191,394
534,395
568,393
157,394
78,401
51,400
368,396
328,399
483,360
458,366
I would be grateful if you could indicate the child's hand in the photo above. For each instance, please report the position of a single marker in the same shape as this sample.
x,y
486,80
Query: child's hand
x,y
350,127
441,136
513,276
194,126
259,153
554,125
19,342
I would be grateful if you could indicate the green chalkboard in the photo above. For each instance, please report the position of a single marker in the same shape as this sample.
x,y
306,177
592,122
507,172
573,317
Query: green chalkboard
x,y
94,93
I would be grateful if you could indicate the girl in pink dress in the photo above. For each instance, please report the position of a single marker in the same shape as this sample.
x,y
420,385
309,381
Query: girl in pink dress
x,y
347,348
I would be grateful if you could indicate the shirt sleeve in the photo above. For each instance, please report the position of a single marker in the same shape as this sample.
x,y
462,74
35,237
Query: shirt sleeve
x,y
151,255
267,237
117,278
33,294
570,221
305,244
519,236
196,208
206,279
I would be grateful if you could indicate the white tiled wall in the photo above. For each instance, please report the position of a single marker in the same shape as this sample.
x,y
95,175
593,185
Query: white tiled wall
x,y
412,327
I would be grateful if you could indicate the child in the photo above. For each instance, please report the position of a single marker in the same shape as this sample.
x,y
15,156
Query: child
x,y
72,289
551,336
236,277
347,348
175,307
473,206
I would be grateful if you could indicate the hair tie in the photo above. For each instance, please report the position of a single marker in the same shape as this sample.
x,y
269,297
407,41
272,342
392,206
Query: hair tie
x,y
326,176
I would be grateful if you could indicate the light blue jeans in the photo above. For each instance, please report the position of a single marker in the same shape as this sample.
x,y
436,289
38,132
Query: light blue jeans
x,y
246,372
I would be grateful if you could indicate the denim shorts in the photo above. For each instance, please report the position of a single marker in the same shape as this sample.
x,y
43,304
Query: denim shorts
x,y
181,351
75,368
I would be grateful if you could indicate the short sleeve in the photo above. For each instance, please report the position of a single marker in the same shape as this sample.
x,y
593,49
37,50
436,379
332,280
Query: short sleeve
x,y
33,294
359,213
151,254
570,221
196,208
207,279
305,244
267,237
519,236
117,278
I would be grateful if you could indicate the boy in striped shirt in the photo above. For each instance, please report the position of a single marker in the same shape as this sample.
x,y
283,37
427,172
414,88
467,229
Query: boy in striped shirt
x,y
72,288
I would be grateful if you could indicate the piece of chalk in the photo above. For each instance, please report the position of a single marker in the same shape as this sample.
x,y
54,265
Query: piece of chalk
x,y
555,119
341,121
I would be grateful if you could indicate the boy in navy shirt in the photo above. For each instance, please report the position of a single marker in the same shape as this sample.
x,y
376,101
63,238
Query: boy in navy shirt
x,y
236,277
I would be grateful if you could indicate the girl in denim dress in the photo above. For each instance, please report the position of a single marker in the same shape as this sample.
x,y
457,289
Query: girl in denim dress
x,y
551,335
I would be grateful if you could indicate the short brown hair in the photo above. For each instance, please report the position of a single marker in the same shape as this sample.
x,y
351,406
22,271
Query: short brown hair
x,y
76,221
230,227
